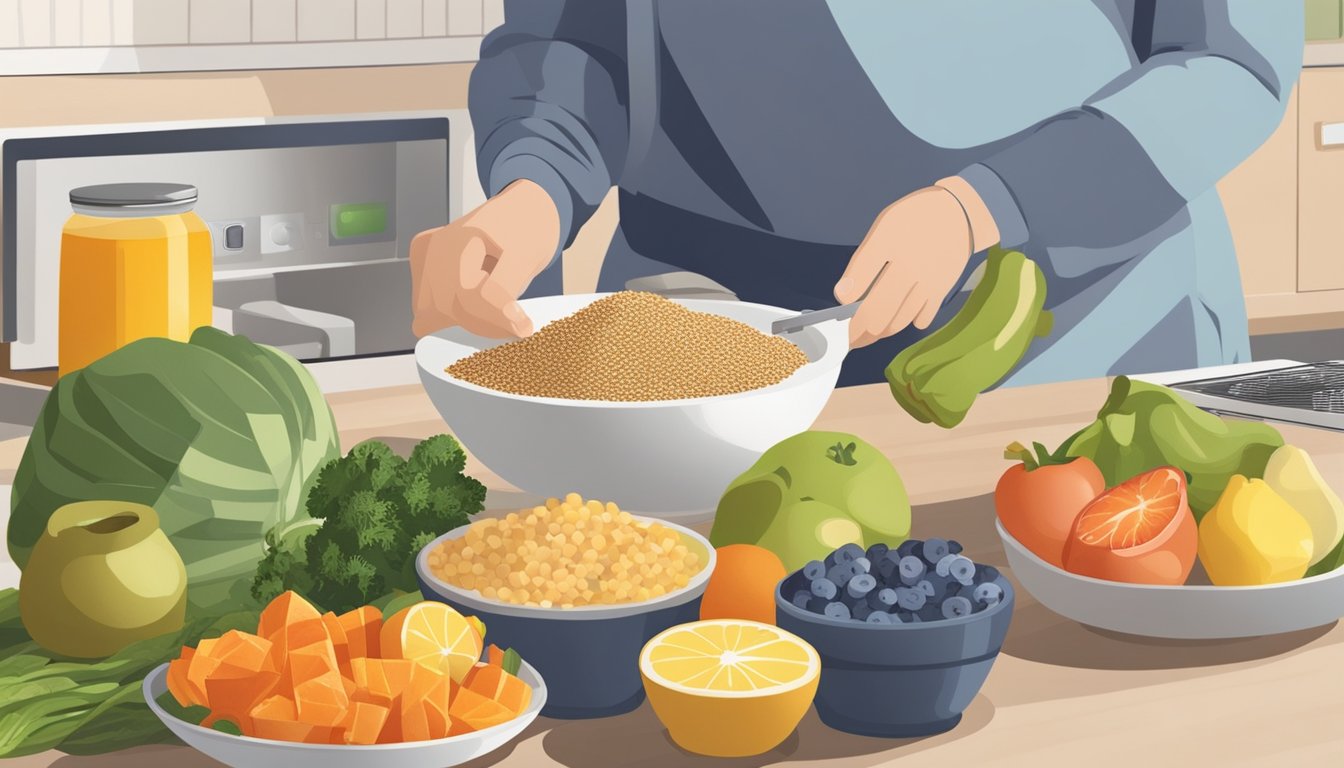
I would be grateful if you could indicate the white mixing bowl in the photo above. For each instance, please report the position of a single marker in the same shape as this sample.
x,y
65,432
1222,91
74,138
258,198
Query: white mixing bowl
x,y
669,458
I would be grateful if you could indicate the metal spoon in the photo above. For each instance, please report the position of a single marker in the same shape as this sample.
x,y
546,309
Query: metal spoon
x,y
807,317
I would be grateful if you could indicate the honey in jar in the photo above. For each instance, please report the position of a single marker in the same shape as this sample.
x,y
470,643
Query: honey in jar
x,y
135,263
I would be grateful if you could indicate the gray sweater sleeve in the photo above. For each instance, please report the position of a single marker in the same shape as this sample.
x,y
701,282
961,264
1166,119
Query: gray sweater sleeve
x,y
1213,89
548,103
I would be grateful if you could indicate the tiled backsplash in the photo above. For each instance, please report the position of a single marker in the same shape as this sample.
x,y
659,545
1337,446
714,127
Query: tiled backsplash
x,y
50,36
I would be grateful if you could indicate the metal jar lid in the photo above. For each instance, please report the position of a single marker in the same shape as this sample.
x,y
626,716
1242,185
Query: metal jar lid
x,y
135,196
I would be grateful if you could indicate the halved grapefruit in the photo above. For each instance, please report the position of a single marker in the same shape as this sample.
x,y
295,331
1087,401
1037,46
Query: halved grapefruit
x,y
1140,532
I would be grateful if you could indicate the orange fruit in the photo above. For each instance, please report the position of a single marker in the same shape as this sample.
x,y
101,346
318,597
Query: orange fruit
x,y
1140,532
742,585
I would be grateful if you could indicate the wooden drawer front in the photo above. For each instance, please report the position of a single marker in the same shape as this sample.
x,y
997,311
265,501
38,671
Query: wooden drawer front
x,y
1321,181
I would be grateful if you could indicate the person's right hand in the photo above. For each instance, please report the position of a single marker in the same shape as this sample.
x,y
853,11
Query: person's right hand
x,y
472,271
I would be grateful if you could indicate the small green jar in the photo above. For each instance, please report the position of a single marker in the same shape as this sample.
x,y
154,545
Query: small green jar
x,y
102,576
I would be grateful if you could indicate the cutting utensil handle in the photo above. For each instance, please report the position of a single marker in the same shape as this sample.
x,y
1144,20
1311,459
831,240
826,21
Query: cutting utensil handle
x,y
813,316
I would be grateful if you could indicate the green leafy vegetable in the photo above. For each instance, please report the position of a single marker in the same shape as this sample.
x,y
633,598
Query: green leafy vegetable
x,y
512,662
221,436
377,511
1144,426
86,707
399,602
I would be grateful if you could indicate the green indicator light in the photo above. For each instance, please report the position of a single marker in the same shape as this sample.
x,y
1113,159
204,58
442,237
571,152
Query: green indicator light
x,y
358,220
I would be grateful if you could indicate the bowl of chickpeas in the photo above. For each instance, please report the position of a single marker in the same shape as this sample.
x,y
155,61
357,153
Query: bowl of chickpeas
x,y
577,587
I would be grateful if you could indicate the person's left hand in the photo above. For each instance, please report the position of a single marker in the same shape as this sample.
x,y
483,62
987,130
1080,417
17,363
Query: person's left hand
x,y
925,240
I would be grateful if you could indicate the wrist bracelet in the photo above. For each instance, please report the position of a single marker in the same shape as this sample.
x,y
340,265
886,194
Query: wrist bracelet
x,y
970,228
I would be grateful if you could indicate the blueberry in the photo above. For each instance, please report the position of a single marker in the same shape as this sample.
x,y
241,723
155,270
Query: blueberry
x,y
801,599
952,588
908,617
817,605
860,586
912,569
930,612
988,594
839,575
861,564
908,547
955,607
877,551
823,588
927,588
888,568
910,599
837,611
962,569
848,553
986,573
861,612
933,550
954,547
881,617
882,599
944,565
814,570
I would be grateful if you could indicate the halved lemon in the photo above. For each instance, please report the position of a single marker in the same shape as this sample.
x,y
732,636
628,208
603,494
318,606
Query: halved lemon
x,y
729,687
435,635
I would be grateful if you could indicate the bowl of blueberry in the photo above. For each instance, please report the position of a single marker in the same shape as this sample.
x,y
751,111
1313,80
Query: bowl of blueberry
x,y
907,635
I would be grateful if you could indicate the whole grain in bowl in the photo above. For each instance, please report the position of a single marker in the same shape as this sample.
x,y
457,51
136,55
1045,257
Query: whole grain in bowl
x,y
634,346
567,554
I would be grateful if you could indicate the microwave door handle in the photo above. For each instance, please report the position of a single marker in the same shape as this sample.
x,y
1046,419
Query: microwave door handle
x,y
265,320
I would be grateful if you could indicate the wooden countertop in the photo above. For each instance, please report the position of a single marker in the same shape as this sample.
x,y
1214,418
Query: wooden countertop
x,y
1059,694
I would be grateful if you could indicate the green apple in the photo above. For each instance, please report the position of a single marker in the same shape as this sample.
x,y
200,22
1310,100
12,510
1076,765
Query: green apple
x,y
811,493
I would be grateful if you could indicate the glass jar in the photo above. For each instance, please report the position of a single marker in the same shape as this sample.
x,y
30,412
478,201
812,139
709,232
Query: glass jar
x,y
136,262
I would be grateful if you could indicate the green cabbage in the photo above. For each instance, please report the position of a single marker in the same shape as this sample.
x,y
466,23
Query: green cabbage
x,y
221,436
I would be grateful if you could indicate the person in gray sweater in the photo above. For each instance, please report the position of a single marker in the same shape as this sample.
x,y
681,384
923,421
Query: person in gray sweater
x,y
792,150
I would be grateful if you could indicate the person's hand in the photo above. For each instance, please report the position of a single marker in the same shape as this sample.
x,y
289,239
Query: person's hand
x,y
472,271
924,240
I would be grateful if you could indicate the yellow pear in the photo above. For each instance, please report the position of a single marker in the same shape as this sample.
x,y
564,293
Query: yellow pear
x,y
1252,537
1293,475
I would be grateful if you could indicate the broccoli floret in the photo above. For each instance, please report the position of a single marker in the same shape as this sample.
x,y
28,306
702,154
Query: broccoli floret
x,y
377,511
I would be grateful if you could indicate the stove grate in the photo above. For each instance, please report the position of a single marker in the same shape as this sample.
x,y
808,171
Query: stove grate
x,y
1317,387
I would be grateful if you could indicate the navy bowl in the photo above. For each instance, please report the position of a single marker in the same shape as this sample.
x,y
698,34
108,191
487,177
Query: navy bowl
x,y
899,680
589,656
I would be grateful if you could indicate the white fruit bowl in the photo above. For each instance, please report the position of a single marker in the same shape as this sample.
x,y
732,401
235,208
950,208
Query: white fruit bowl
x,y
248,752
669,459
1188,612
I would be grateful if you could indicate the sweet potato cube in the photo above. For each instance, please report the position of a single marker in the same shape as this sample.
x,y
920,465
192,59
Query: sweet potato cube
x,y
233,691
336,632
471,711
324,735
494,683
437,704
495,656
321,701
286,610
363,722
414,707
275,718
242,649
362,627
177,678
202,663
384,679
308,662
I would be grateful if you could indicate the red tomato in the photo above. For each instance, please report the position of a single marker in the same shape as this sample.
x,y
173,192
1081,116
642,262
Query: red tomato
x,y
1038,502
